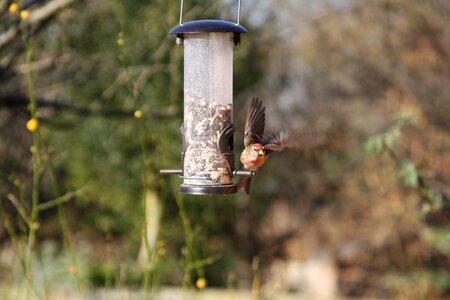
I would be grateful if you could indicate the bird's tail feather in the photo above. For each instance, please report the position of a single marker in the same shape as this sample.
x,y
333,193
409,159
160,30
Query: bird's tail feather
x,y
245,181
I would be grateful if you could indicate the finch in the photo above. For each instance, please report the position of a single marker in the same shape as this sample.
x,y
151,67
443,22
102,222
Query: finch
x,y
258,147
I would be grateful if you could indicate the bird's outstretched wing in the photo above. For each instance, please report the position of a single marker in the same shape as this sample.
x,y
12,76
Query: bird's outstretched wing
x,y
285,140
255,123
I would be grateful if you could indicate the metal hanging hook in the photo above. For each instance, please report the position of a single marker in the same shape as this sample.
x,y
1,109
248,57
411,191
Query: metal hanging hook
x,y
238,12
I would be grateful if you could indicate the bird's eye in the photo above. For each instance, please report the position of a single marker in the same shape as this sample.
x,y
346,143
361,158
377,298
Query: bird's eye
x,y
254,149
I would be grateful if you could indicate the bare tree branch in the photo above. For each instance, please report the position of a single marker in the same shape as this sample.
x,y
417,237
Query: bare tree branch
x,y
37,16
60,105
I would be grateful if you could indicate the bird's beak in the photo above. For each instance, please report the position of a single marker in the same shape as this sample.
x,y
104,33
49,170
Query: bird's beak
x,y
260,152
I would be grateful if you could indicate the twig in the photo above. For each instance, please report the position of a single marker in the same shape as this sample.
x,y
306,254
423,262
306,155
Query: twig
x,y
37,16
60,105
256,280
61,199
65,229
204,262
19,207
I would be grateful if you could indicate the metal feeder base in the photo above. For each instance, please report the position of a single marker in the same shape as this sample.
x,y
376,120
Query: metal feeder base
x,y
208,189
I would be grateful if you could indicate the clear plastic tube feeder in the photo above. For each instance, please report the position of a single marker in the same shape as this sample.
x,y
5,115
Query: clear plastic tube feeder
x,y
207,159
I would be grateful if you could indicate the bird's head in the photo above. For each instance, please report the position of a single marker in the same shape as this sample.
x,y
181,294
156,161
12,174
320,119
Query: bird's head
x,y
258,148
253,156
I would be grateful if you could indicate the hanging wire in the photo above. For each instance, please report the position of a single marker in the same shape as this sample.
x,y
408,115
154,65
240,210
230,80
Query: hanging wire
x,y
181,12
238,13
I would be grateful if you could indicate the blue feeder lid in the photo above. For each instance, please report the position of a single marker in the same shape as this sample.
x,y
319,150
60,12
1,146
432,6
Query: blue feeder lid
x,y
201,26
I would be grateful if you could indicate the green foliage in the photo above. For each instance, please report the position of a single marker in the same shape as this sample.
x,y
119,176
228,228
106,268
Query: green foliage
x,y
441,280
435,200
388,139
409,174
103,274
376,144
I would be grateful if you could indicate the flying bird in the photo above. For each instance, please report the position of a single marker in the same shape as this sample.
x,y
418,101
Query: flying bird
x,y
258,147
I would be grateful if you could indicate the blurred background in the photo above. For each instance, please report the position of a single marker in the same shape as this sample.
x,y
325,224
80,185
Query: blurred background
x,y
82,204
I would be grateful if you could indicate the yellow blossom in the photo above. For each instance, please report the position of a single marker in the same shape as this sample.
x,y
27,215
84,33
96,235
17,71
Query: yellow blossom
x,y
33,149
120,42
73,270
24,14
32,124
13,8
201,283
138,114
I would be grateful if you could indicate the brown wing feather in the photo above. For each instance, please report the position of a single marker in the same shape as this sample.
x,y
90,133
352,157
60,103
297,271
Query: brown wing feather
x,y
255,123
285,140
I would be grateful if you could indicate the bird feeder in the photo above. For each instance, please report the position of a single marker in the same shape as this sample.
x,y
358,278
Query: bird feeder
x,y
207,158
